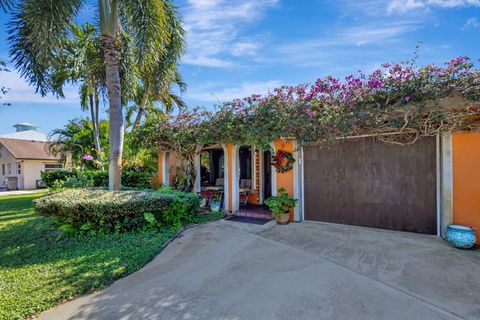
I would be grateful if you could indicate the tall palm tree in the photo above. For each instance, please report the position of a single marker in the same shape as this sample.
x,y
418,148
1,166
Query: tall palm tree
x,y
156,78
39,28
81,62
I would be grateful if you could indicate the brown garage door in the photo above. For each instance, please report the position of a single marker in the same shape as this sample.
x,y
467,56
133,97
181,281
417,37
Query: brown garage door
x,y
368,183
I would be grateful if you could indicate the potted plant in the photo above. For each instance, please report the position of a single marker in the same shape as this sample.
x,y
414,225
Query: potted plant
x,y
215,203
280,206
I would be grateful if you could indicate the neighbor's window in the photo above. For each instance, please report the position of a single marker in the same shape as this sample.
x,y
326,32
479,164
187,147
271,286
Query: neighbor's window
x,y
19,168
3,169
53,166
9,168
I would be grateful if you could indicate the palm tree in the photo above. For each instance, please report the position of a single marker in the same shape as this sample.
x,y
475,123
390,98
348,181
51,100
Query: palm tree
x,y
156,78
6,5
39,28
81,62
3,89
75,139
158,91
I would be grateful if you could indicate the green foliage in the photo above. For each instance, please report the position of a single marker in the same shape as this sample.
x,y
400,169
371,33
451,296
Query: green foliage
x,y
76,139
93,178
40,268
151,220
398,104
118,211
281,204
80,181
52,177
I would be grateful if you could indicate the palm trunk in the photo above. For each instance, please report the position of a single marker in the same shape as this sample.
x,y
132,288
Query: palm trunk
x,y
96,134
141,111
116,125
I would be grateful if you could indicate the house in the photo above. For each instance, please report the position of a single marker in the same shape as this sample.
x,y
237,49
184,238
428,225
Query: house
x,y
421,187
24,154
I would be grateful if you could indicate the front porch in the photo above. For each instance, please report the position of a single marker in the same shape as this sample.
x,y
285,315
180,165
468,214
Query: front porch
x,y
247,184
256,211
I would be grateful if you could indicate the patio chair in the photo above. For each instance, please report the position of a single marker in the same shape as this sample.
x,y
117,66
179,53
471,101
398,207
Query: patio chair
x,y
219,183
245,189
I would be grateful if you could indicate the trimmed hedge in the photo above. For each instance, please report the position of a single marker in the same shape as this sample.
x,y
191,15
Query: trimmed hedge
x,y
101,210
131,179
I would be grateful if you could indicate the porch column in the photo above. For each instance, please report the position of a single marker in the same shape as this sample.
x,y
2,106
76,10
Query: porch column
x,y
162,168
197,186
274,172
226,177
446,182
298,181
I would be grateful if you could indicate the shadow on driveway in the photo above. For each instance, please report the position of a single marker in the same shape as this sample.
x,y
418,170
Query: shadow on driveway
x,y
305,270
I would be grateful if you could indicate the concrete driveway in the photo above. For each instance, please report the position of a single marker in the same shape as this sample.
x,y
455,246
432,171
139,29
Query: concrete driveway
x,y
229,270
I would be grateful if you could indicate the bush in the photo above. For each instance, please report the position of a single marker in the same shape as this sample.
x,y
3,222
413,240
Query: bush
x,y
78,182
131,179
50,177
101,210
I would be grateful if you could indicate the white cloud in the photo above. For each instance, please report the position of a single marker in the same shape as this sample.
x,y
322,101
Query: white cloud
x,y
343,42
20,91
471,23
402,6
207,93
214,30
245,48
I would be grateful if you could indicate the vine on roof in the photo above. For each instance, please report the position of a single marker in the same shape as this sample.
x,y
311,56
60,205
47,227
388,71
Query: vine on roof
x,y
398,103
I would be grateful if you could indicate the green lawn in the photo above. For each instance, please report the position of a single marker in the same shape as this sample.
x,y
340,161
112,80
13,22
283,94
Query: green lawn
x,y
39,268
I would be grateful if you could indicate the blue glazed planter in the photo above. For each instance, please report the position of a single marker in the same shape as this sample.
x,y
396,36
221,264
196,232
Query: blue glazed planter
x,y
461,236
215,206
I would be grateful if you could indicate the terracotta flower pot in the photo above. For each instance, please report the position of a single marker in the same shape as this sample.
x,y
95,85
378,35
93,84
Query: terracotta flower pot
x,y
283,219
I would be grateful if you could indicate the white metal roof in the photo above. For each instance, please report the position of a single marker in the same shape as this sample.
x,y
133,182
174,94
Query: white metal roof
x,y
32,135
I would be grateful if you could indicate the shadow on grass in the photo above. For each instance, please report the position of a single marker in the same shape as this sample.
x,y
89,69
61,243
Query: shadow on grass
x,y
42,269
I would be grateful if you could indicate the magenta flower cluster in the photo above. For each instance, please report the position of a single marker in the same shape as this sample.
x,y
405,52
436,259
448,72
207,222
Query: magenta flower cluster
x,y
87,157
293,110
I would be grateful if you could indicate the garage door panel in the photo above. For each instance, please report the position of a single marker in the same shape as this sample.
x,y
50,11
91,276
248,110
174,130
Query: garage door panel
x,y
368,183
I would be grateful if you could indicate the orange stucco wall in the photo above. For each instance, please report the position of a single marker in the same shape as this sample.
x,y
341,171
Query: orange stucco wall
x,y
466,180
285,179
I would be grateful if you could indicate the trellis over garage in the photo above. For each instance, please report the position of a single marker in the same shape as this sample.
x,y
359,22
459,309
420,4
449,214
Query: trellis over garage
x,y
421,187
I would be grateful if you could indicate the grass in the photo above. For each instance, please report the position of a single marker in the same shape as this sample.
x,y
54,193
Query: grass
x,y
39,268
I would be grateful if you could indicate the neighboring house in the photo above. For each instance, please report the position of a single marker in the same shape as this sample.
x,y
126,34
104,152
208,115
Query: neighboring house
x,y
23,156
420,188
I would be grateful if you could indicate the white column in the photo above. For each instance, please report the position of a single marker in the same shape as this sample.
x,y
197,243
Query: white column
x,y
446,186
297,182
226,192
235,178
274,172
197,185
165,171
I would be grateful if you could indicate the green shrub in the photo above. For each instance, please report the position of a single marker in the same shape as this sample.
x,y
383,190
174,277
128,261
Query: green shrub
x,y
99,178
78,182
131,179
101,210
50,177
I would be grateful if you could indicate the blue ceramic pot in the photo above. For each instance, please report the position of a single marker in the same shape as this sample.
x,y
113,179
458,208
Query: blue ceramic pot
x,y
461,236
215,206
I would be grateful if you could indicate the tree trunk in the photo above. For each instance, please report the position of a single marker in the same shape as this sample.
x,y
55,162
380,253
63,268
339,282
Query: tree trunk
x,y
116,125
96,133
141,111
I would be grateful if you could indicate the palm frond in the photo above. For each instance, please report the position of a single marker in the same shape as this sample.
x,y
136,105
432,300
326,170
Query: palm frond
x,y
36,33
6,5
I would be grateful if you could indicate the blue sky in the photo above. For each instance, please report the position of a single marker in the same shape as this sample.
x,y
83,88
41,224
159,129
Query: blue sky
x,y
237,48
